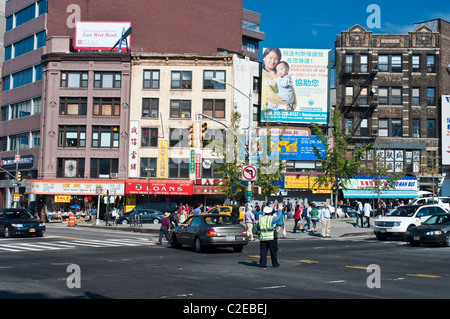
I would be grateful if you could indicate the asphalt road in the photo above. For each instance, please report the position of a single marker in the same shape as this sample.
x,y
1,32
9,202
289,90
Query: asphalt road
x,y
82,263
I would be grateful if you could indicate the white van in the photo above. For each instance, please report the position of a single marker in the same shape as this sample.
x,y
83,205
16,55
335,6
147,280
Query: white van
x,y
441,201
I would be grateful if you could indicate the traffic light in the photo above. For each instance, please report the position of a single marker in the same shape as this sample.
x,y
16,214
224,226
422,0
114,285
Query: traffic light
x,y
18,177
205,134
192,135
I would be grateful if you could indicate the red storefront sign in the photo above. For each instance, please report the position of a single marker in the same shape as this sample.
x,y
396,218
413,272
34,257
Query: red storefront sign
x,y
158,187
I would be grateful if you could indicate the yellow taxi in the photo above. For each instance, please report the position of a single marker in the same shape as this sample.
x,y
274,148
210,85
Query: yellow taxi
x,y
226,210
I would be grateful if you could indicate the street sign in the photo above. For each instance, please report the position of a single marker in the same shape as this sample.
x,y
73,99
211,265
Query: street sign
x,y
249,173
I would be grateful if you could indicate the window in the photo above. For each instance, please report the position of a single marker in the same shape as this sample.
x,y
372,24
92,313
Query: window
x,y
25,15
103,167
73,106
148,167
24,46
430,64
21,109
179,137
71,79
209,84
210,169
431,128
105,136
182,80
383,63
149,137
416,128
390,127
72,136
349,63
431,100
214,108
70,167
256,85
348,125
396,63
415,99
213,135
36,139
106,107
151,79
390,96
364,63
364,128
364,96
150,107
180,109
415,63
390,63
22,140
178,167
22,78
107,80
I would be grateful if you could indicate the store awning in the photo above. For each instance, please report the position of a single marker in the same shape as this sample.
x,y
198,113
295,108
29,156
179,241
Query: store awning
x,y
360,193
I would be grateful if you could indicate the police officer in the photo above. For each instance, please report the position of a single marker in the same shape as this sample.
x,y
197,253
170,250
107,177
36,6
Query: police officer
x,y
267,238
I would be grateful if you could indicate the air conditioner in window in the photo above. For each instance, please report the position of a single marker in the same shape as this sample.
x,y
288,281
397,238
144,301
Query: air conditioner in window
x,y
415,135
113,175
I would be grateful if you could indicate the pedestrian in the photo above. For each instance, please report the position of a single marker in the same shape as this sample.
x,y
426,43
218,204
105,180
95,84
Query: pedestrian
x,y
306,214
367,211
164,229
281,223
297,217
325,215
183,214
198,210
359,213
267,238
249,220
314,217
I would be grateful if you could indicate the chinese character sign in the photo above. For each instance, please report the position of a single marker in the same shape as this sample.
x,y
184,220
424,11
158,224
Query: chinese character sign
x,y
295,86
134,148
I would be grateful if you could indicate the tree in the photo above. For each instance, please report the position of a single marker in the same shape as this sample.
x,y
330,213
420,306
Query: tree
x,y
338,166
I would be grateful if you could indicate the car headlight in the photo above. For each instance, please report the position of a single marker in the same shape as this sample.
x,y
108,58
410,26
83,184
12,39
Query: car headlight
x,y
17,225
434,232
41,224
397,224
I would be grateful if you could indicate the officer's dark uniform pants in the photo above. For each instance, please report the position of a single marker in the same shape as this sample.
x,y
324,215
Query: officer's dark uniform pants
x,y
272,246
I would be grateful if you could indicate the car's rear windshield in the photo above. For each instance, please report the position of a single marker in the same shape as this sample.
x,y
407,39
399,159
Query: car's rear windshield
x,y
402,211
438,220
221,220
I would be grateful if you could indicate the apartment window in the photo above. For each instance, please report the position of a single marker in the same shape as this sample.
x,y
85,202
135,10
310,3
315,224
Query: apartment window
x,y
70,167
151,79
21,140
210,169
431,96
383,63
430,64
213,134
3,144
21,109
390,96
149,137
431,128
348,125
148,167
104,167
415,63
72,136
256,85
105,136
416,128
390,63
180,108
364,96
364,128
73,106
396,63
9,22
24,46
71,79
214,108
390,127
22,78
182,80
415,97
25,15
209,84
35,139
150,107
364,63
106,107
178,168
179,137
349,63
107,80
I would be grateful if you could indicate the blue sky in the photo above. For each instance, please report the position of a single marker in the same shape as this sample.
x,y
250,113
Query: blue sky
x,y
314,24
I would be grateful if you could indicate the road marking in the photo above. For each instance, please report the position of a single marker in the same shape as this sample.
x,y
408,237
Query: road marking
x,y
272,287
423,275
357,267
335,281
308,261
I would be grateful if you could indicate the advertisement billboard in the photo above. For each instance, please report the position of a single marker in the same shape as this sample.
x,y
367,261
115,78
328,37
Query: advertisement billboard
x,y
295,85
99,35
445,129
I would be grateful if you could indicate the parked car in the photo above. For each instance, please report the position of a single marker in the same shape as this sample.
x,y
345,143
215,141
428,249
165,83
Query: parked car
x,y
210,230
441,201
145,215
398,221
348,210
340,212
17,221
159,206
435,230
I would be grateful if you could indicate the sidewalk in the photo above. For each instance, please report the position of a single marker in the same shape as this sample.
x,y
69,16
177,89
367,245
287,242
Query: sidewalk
x,y
341,227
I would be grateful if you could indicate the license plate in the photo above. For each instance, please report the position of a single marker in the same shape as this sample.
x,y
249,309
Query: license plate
x,y
32,230
230,238
416,237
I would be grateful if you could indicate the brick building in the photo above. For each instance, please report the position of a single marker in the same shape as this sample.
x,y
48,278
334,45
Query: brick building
x,y
389,87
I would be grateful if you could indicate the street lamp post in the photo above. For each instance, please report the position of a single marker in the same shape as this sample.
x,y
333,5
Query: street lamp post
x,y
249,132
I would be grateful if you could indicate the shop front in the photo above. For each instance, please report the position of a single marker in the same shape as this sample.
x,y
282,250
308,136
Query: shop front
x,y
303,188
56,198
140,191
